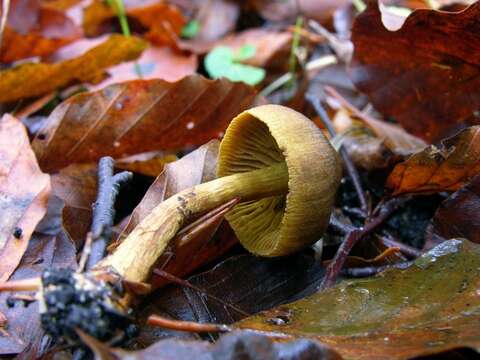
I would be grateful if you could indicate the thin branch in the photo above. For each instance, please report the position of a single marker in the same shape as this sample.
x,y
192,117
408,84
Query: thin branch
x,y
351,170
382,213
374,270
103,209
190,326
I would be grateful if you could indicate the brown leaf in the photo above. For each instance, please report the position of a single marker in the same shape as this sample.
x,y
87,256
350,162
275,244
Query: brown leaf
x,y
149,164
33,30
430,307
30,80
457,217
76,186
162,21
24,193
212,25
446,167
139,116
421,73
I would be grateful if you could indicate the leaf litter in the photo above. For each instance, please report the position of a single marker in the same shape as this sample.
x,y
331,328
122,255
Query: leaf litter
x,y
396,276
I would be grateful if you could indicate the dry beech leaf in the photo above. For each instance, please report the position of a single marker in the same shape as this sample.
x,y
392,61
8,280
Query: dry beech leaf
x,y
195,168
76,186
420,74
35,30
458,216
212,25
30,80
163,22
24,192
446,167
149,164
139,116
400,314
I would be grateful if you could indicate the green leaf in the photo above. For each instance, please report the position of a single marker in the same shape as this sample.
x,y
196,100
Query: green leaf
x,y
246,52
221,62
191,29
430,307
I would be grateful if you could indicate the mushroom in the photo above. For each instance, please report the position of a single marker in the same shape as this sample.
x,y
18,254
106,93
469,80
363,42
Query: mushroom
x,y
286,174
273,158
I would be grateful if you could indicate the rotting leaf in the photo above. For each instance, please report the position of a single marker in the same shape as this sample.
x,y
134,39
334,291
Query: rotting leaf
x,y
421,73
446,167
139,116
35,30
24,192
458,216
149,164
28,80
164,22
430,307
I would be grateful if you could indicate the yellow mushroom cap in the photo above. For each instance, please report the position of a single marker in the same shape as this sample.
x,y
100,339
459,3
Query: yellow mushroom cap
x,y
270,134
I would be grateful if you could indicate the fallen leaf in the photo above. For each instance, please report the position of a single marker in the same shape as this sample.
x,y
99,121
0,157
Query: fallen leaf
x,y
24,193
430,307
163,21
76,186
149,164
458,216
239,345
419,74
212,25
28,80
34,30
139,116
446,167
23,323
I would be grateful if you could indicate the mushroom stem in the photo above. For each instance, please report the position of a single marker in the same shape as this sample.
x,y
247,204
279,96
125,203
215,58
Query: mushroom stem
x,y
136,256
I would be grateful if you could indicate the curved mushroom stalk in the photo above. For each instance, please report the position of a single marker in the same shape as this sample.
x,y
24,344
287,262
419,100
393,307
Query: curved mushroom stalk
x,y
285,172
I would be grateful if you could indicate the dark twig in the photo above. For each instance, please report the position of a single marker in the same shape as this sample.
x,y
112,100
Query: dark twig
x,y
103,209
389,241
189,285
351,170
381,213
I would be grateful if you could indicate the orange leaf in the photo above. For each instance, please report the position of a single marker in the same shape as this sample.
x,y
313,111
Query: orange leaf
x,y
30,80
139,116
446,167
24,193
35,31
163,22
423,75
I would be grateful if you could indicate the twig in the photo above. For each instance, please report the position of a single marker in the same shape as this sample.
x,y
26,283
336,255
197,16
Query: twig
x,y
33,284
382,212
103,209
407,250
189,285
190,326
351,170
4,18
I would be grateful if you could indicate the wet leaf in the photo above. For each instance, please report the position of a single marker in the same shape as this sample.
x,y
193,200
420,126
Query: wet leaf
x,y
421,73
163,22
23,325
458,216
428,308
446,167
35,30
139,116
28,80
24,191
